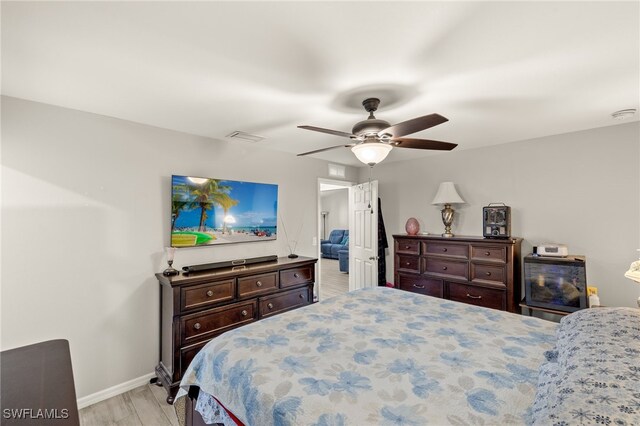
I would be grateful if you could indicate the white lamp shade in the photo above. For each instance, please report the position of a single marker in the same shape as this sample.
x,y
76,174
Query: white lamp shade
x,y
634,272
371,153
447,194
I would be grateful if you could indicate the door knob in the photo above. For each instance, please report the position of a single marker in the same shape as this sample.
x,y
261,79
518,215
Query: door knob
x,y
374,258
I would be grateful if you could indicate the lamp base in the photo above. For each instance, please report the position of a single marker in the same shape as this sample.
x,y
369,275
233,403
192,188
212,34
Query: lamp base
x,y
170,271
447,220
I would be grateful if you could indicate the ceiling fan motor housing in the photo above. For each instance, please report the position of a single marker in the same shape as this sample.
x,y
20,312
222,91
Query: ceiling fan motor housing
x,y
369,127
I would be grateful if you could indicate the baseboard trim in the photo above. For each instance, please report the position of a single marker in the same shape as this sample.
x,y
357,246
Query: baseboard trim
x,y
94,398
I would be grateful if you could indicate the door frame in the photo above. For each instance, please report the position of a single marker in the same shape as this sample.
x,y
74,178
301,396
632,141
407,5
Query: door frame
x,y
342,183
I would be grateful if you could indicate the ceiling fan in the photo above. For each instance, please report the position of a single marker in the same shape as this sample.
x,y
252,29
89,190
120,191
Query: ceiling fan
x,y
372,139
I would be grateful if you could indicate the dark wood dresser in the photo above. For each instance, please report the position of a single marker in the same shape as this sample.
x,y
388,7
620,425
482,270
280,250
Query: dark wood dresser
x,y
475,270
199,306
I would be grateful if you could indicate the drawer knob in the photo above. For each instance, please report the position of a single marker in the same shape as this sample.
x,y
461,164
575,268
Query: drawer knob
x,y
488,274
408,263
407,247
487,253
209,293
197,326
259,283
444,249
296,275
444,268
301,296
244,313
473,297
418,286
270,306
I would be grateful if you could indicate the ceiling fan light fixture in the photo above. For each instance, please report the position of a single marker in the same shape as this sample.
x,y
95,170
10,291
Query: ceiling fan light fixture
x,y
371,153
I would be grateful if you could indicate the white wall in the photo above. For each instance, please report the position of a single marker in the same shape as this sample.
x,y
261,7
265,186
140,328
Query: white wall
x,y
85,217
581,189
336,202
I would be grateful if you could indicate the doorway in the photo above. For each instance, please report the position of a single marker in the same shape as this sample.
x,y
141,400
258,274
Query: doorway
x,y
333,237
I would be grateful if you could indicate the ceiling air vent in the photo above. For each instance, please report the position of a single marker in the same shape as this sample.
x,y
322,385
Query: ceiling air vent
x,y
245,136
336,170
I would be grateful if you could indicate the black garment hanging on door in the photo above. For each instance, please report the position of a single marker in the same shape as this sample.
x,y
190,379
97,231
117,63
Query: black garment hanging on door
x,y
382,246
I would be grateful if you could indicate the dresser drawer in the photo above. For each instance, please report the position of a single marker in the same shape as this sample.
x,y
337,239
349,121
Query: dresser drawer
x,y
187,354
257,284
291,277
420,284
218,320
197,296
277,303
479,296
407,246
488,274
446,267
446,249
489,253
408,263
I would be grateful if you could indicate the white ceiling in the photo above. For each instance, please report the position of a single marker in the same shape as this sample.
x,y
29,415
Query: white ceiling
x,y
500,71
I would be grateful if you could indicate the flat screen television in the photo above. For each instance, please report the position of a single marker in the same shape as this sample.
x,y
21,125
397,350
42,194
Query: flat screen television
x,y
206,212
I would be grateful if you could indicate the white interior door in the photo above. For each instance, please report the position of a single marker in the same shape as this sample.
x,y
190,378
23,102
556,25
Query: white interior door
x,y
363,235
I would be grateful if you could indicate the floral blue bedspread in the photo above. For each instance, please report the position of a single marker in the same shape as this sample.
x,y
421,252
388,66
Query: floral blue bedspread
x,y
375,356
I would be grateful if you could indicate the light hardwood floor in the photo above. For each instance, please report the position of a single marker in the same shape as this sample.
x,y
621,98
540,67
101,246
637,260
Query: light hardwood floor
x,y
333,282
144,405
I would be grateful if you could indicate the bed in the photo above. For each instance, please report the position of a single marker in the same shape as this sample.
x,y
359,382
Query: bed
x,y
382,356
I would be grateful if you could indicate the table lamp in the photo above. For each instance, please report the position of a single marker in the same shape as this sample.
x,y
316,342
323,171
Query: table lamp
x,y
170,271
447,195
634,274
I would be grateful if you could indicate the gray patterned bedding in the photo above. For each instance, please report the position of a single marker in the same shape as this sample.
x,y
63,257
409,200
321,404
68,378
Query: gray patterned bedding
x,y
592,376
375,356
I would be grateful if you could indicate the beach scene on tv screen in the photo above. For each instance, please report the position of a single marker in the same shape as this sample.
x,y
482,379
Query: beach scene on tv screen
x,y
215,211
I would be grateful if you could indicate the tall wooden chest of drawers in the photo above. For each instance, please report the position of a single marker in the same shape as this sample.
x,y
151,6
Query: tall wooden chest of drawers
x,y
199,306
474,270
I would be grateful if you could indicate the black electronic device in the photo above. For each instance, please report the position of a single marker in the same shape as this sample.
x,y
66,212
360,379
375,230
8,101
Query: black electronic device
x,y
496,221
558,283
228,263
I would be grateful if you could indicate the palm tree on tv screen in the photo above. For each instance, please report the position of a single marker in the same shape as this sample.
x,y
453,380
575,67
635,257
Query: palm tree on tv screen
x,y
226,202
176,207
207,195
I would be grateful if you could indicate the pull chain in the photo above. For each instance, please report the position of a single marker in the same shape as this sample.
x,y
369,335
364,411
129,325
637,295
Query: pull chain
x,y
369,206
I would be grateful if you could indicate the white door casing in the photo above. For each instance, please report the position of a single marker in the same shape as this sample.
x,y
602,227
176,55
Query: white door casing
x,y
363,235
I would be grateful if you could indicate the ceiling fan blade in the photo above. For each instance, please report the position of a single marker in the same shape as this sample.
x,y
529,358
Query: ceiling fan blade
x,y
414,125
329,131
423,144
326,149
